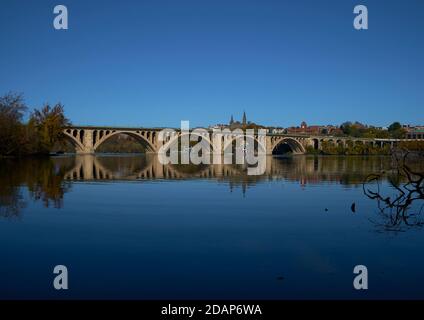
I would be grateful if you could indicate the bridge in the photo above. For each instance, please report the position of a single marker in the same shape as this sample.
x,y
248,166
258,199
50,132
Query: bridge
x,y
87,139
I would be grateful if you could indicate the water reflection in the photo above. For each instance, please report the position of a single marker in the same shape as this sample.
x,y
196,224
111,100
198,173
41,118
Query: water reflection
x,y
178,232
304,169
398,211
43,178
48,179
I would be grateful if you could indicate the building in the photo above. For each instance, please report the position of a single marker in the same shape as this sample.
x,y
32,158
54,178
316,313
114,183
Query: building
x,y
314,130
233,124
415,132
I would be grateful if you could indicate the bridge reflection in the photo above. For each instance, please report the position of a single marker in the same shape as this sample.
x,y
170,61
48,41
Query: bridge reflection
x,y
303,169
49,179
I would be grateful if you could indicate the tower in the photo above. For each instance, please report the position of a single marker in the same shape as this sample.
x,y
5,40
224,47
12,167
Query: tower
x,y
244,118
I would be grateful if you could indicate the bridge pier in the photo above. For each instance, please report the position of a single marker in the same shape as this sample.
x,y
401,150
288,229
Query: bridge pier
x,y
87,142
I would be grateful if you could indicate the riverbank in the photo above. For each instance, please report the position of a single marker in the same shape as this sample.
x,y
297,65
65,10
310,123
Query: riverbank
x,y
364,149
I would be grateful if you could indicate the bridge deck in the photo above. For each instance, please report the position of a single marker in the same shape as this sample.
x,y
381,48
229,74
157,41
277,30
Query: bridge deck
x,y
327,137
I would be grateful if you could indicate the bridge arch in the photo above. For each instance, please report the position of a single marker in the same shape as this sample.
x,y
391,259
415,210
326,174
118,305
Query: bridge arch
x,y
230,141
349,143
145,139
172,140
315,144
75,137
286,145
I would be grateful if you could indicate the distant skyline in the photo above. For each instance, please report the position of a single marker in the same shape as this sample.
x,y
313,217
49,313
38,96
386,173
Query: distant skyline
x,y
155,63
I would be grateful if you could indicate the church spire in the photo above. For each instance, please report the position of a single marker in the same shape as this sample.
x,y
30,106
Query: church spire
x,y
231,120
244,118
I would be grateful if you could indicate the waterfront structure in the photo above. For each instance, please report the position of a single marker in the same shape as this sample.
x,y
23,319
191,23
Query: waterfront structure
x,y
87,139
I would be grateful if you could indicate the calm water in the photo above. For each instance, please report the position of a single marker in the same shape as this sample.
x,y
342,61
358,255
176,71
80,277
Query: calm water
x,y
128,227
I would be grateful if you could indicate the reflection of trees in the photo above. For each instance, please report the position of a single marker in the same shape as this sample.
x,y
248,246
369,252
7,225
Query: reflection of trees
x,y
11,199
400,210
44,181
347,171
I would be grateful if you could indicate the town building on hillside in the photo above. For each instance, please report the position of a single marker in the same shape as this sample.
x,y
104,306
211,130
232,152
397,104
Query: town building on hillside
x,y
314,130
233,124
416,132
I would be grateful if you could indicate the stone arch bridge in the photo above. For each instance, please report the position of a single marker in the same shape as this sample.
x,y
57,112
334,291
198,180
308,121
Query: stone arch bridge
x,y
87,139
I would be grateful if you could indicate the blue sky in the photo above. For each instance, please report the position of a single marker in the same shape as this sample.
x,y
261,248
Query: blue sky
x,y
154,63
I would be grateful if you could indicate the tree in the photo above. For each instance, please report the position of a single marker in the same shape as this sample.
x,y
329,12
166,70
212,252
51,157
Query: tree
x,y
396,131
346,127
48,124
395,126
12,110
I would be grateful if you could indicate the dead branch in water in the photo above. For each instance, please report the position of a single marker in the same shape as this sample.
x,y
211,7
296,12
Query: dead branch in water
x,y
396,211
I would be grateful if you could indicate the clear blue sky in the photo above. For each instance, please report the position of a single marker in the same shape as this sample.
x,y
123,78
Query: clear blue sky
x,y
154,63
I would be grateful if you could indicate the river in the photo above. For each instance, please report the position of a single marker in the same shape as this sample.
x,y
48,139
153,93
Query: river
x,y
127,227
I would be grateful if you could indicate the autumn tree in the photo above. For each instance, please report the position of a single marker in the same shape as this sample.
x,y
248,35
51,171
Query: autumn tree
x,y
48,124
12,111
